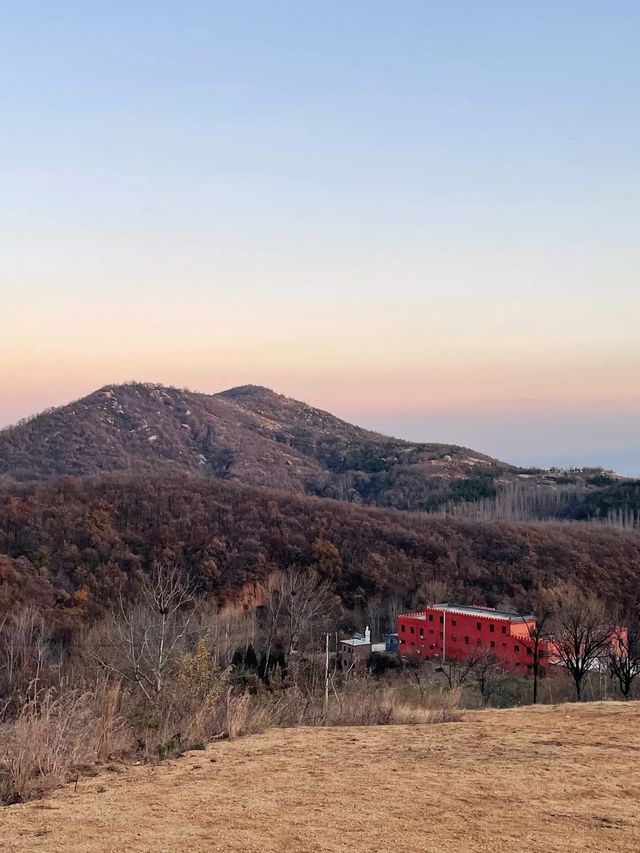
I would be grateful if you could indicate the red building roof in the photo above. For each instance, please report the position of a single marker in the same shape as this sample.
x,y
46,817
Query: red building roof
x,y
487,612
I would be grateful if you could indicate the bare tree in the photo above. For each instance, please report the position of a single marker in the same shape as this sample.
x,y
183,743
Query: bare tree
x,y
432,591
147,634
306,601
538,618
375,613
624,656
296,608
582,636
394,605
273,611
226,629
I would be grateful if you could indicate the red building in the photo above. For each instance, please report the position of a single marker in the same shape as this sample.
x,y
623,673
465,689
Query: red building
x,y
457,632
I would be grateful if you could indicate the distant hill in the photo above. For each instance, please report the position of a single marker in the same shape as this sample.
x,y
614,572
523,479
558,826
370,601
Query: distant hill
x,y
254,436
249,434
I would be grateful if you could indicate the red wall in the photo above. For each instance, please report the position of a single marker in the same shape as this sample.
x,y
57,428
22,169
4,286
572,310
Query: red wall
x,y
420,635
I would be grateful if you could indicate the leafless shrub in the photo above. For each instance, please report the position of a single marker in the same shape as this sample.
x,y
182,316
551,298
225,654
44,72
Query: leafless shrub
x,y
191,708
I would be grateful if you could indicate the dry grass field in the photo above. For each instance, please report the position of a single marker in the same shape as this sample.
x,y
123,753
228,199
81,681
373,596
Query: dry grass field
x,y
561,778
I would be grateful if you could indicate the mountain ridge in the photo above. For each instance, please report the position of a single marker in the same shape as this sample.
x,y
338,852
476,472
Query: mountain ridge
x,y
252,435
248,433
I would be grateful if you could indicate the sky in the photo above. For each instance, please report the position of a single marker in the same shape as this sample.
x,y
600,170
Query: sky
x,y
420,216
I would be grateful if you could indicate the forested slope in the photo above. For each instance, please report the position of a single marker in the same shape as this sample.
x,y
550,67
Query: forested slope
x,y
70,546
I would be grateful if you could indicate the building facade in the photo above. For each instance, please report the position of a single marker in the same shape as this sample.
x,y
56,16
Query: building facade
x,y
458,632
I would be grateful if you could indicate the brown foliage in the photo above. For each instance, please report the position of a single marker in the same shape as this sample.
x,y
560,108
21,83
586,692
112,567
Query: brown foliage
x,y
98,539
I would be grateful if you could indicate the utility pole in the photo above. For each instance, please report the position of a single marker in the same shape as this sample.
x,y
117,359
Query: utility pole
x,y
444,635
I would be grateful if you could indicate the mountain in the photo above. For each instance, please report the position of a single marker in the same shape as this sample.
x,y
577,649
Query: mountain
x,y
249,434
255,436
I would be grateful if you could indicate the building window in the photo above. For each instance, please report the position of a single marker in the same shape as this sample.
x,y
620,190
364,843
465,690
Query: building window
x,y
492,644
422,632
453,622
441,619
412,629
516,648
479,643
466,641
529,652
431,617
479,626
403,627
454,638
504,629
413,644
492,627
431,630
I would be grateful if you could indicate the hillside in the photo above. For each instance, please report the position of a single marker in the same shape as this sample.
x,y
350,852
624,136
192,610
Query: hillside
x,y
248,434
559,779
70,546
255,436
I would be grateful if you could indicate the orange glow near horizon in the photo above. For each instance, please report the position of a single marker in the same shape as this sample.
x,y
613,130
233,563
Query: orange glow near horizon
x,y
485,386
381,390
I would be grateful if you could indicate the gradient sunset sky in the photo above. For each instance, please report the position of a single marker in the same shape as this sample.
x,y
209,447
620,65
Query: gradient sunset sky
x,y
424,217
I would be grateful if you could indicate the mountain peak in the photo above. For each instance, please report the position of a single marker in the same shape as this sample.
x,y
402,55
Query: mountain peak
x,y
244,392
248,433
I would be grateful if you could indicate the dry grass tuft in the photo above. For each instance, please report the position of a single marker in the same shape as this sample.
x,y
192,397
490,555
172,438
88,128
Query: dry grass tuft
x,y
53,734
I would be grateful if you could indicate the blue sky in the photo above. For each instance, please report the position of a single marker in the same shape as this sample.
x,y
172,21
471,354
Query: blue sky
x,y
421,216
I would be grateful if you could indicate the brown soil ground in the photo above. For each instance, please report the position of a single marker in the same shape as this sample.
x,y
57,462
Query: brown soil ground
x,y
563,778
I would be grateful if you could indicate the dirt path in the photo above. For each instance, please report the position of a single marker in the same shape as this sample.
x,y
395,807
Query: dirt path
x,y
560,779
